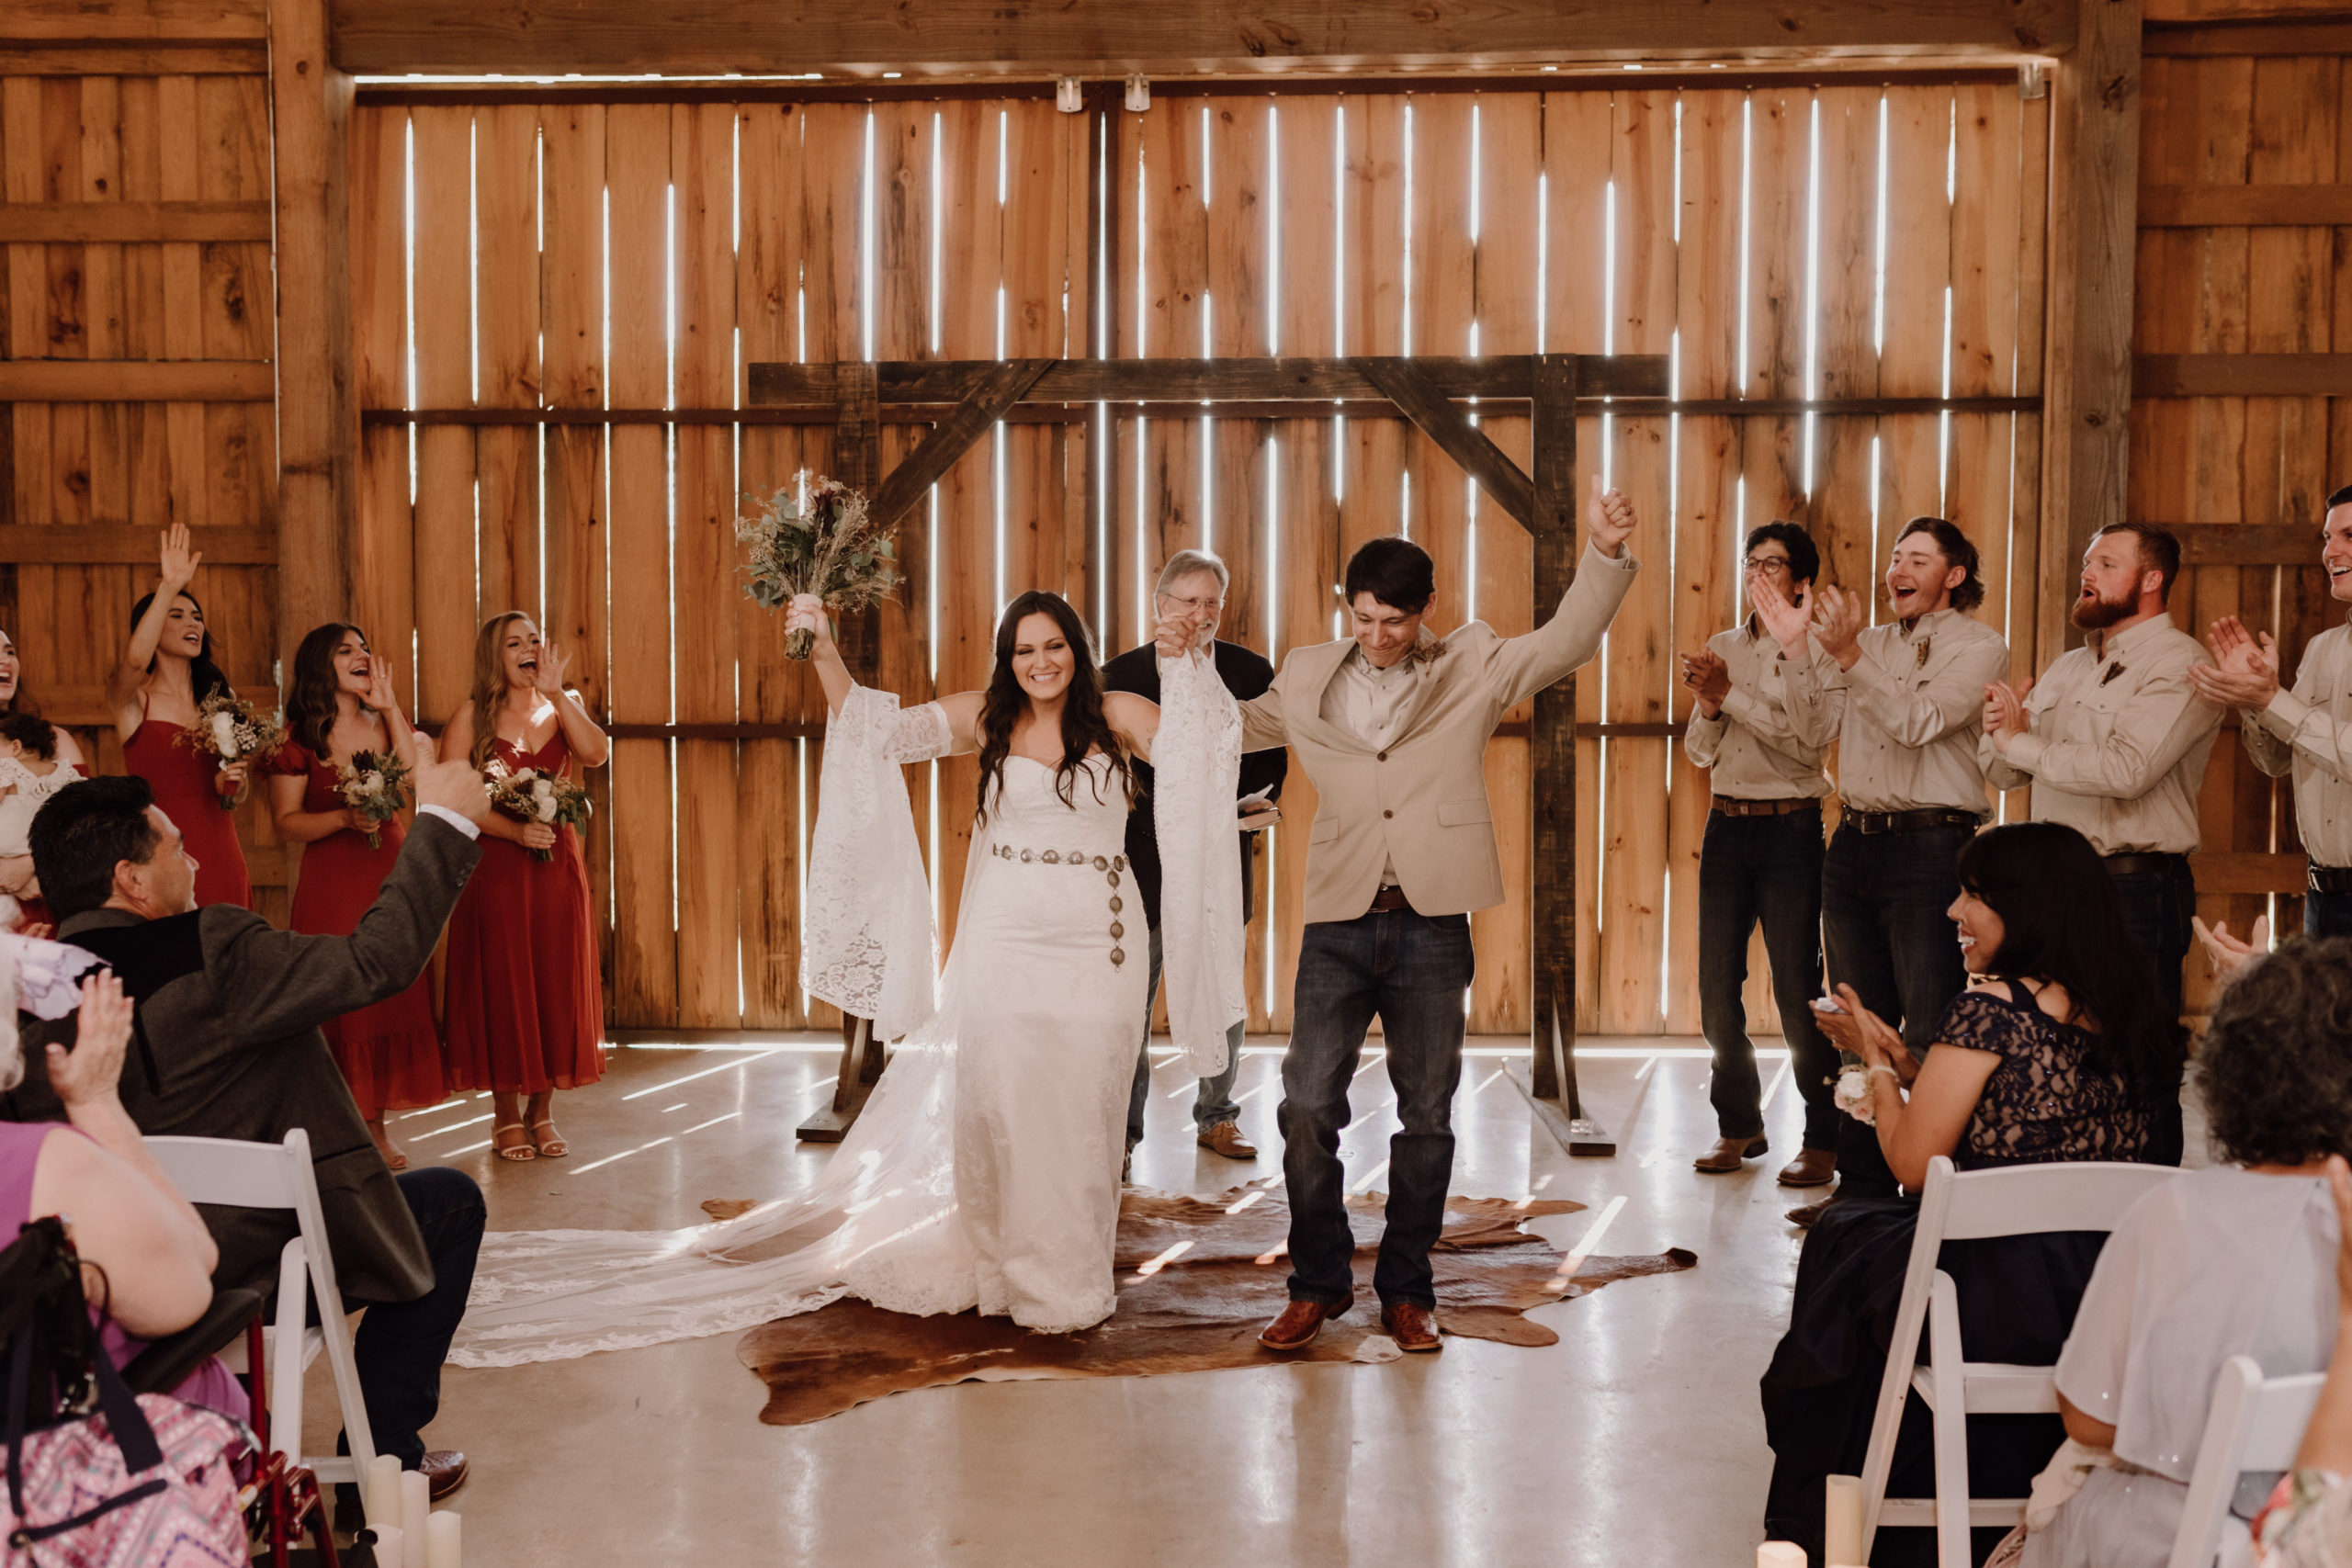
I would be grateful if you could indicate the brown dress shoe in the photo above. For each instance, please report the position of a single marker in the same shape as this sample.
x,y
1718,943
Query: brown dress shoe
x,y
1413,1325
1226,1138
444,1471
1811,1167
1298,1325
1726,1154
1804,1218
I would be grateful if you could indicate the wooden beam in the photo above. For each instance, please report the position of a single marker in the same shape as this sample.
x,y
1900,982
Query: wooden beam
x,y
318,405
133,60
2247,544
1552,746
132,21
2242,376
120,544
1118,37
2204,206
772,384
2331,35
1402,381
2250,873
137,381
953,436
2094,171
132,223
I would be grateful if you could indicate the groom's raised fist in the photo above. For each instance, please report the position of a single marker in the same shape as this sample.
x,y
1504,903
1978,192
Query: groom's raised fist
x,y
456,785
1608,519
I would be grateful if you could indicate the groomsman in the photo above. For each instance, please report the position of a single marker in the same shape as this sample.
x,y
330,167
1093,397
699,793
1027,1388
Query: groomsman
x,y
1761,861
1191,590
2306,731
1904,700
2114,738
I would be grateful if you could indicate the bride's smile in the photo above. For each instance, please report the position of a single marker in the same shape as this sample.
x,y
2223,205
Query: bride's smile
x,y
1043,660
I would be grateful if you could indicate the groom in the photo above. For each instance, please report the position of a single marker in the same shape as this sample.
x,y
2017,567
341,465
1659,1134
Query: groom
x,y
1392,726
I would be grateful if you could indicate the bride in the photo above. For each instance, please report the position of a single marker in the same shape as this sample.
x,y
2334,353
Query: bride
x,y
1023,1052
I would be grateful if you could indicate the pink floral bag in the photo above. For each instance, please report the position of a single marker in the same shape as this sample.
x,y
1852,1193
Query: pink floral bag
x,y
135,1481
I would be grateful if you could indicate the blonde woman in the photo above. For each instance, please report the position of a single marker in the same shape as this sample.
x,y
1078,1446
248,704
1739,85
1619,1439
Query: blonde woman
x,y
525,1009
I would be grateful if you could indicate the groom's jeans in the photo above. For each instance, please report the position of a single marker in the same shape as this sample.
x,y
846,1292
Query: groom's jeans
x,y
1410,970
1213,1102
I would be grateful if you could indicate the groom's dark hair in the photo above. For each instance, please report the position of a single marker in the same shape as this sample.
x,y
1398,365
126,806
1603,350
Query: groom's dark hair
x,y
1394,570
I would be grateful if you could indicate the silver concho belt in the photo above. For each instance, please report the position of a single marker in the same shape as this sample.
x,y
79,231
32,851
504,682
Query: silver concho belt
x,y
1110,866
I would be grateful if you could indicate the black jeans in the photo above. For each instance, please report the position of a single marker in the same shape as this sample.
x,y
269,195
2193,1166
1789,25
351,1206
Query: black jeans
x,y
2327,914
1411,970
2157,908
1887,932
401,1345
1768,869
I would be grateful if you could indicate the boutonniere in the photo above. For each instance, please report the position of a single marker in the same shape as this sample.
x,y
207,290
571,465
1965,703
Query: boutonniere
x,y
2112,671
1920,662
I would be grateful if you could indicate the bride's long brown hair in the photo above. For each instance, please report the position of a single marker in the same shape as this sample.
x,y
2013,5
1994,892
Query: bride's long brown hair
x,y
1084,729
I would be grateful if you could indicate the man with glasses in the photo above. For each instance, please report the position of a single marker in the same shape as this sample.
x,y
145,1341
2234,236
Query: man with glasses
x,y
1191,588
1761,861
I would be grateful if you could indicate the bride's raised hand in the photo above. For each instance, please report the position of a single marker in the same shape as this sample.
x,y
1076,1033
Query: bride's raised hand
x,y
806,614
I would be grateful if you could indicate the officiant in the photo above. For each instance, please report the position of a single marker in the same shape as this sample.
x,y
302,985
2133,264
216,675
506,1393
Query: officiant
x,y
1191,588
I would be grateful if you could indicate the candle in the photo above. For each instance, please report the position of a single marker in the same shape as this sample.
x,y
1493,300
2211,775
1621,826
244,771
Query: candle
x,y
380,1492
1842,1532
1780,1554
415,1505
441,1549
388,1545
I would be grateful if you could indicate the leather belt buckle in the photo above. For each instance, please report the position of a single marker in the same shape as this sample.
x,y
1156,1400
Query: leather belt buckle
x,y
2336,880
2138,864
1388,900
1788,807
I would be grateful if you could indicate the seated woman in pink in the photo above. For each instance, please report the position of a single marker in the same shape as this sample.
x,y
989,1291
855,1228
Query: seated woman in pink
x,y
146,1253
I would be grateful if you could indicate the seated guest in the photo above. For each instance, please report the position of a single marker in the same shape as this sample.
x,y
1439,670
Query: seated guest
x,y
2308,1521
2057,1051
146,1256
2237,1260
227,1045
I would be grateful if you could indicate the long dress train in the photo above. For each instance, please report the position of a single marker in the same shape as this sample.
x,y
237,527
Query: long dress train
x,y
1025,1062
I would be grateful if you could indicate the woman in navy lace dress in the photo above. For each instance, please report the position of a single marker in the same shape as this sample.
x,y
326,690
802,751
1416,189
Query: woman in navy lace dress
x,y
2059,1049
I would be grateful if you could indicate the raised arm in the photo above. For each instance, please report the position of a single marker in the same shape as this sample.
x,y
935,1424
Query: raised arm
x,y
1522,666
588,744
806,614
177,565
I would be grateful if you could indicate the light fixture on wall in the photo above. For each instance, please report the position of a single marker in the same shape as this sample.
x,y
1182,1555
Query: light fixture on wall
x,y
1068,97
1138,94
2033,79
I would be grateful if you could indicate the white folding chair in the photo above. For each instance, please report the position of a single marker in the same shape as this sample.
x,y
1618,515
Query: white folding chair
x,y
2015,1201
279,1176
2254,1424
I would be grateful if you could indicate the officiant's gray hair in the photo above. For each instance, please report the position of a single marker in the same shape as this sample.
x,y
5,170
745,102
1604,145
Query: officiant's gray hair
x,y
1184,563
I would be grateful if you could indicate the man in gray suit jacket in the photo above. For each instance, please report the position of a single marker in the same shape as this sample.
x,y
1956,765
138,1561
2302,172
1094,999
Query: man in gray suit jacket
x,y
226,1044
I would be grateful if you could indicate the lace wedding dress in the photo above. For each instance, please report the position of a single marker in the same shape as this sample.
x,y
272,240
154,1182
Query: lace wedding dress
x,y
984,1172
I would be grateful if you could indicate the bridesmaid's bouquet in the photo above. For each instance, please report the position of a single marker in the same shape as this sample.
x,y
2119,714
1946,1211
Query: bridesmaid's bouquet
x,y
816,536
230,728
527,795
374,784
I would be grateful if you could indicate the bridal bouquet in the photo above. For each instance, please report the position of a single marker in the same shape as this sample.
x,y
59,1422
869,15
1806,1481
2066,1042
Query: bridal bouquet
x,y
528,795
373,784
815,536
232,729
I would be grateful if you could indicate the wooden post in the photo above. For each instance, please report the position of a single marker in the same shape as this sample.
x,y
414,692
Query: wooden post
x,y
857,463
2095,180
318,411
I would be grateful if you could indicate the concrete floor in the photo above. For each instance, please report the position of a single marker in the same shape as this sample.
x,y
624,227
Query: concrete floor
x,y
1635,1439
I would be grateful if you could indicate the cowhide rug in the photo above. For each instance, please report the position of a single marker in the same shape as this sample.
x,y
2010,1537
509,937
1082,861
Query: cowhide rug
x,y
1217,1275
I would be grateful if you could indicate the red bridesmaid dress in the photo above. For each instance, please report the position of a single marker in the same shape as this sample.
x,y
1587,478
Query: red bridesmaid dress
x,y
525,1009
389,1053
182,779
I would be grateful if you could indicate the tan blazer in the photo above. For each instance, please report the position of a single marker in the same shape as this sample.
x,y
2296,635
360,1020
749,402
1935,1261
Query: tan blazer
x,y
1422,802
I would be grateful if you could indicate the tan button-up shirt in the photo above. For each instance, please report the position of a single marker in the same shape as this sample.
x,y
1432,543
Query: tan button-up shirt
x,y
2308,731
1750,749
1906,716
2117,741
1365,701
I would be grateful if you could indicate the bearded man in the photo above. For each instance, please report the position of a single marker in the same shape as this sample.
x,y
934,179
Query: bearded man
x,y
2113,738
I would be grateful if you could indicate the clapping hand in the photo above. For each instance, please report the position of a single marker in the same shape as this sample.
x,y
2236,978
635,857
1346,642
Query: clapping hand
x,y
1709,678
2245,673
1607,520
1865,1034
1790,623
2228,954
2004,714
1837,621
89,1072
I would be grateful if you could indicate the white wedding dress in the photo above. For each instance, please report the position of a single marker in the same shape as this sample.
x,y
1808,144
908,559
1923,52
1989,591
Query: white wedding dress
x,y
984,1171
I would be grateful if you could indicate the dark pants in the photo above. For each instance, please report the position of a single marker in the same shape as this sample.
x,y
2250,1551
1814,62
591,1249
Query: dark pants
x,y
401,1345
1213,1100
2327,914
1767,869
2157,908
1887,932
1410,970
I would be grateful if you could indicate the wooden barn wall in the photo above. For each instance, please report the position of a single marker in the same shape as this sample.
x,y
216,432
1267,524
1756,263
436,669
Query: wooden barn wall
x,y
167,328
1839,241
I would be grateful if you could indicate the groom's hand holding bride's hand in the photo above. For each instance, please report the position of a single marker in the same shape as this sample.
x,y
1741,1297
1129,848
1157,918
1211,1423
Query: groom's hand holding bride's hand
x,y
1173,636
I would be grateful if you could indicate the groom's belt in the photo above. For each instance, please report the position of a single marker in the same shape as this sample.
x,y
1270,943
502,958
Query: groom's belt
x,y
1388,900
1907,821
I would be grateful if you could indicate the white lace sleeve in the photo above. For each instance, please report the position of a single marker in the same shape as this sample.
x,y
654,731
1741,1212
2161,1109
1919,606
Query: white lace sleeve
x,y
1196,763
868,946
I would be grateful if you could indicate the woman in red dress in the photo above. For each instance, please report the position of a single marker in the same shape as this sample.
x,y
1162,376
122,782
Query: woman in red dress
x,y
166,672
525,1010
17,872
339,705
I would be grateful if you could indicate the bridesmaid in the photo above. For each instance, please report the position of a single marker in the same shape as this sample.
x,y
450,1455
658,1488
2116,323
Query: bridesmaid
x,y
525,1012
166,672
32,912
340,704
